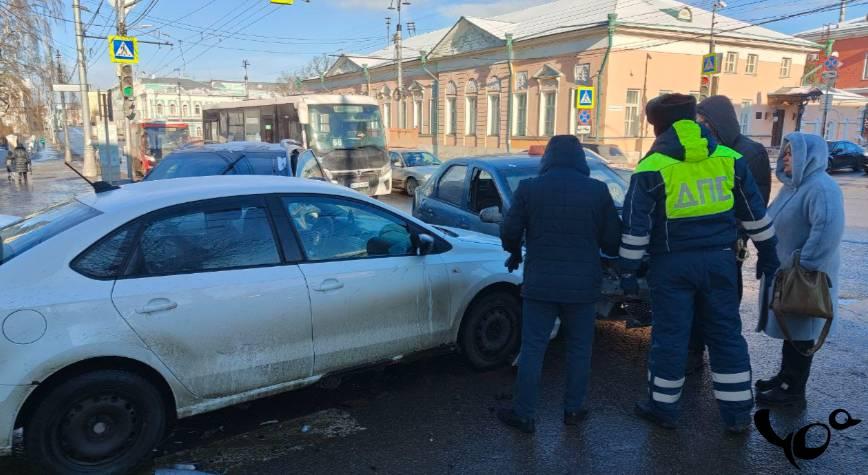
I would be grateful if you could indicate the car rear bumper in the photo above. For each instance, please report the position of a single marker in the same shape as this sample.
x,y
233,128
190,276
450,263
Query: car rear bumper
x,y
11,400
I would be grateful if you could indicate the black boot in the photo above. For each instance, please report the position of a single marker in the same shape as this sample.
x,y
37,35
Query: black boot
x,y
643,409
510,418
767,384
783,395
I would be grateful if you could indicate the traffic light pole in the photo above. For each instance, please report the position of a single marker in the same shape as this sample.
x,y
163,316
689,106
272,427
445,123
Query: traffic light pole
x,y
67,153
89,167
121,9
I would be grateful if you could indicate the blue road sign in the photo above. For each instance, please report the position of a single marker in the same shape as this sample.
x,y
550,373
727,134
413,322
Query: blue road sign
x,y
584,117
831,63
585,97
123,49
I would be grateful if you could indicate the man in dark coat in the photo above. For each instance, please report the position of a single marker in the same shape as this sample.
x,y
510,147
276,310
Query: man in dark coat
x,y
565,218
717,114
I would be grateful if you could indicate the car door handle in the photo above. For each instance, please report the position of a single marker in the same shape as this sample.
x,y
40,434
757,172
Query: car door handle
x,y
329,284
157,305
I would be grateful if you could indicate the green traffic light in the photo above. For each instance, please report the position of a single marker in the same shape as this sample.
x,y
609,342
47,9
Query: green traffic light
x,y
128,91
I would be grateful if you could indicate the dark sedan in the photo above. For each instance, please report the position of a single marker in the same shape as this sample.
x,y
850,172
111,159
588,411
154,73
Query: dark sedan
x,y
237,158
845,155
474,193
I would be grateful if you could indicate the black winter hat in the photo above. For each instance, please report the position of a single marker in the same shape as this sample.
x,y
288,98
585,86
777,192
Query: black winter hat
x,y
564,151
667,109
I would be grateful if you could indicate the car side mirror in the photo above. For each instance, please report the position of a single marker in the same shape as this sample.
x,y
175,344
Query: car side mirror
x,y
426,244
397,163
491,215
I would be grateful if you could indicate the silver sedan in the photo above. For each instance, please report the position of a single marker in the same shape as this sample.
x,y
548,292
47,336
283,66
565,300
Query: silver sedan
x,y
412,169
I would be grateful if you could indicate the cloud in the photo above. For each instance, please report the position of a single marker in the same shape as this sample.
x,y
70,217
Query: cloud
x,y
488,9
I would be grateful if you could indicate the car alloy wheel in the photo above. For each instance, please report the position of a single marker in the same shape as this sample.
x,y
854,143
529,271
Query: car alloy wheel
x,y
101,422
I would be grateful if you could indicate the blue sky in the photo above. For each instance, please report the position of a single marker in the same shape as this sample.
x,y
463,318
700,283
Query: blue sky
x,y
281,38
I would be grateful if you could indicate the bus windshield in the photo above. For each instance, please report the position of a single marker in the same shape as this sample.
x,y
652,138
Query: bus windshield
x,y
160,141
344,126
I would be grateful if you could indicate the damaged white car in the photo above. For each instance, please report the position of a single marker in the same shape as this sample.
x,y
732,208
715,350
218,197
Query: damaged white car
x,y
125,309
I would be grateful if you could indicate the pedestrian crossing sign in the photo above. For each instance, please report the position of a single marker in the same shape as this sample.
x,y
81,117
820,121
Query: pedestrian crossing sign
x,y
123,49
585,97
711,63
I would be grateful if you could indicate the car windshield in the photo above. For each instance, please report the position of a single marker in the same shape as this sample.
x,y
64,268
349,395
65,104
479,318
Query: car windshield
x,y
181,165
344,126
420,159
41,226
599,171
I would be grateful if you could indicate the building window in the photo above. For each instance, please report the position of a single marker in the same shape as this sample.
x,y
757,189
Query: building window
x,y
171,108
831,130
549,104
186,110
198,131
631,113
432,116
402,114
160,109
752,61
786,64
197,109
451,116
731,63
865,68
470,115
417,114
387,115
493,115
519,119
744,117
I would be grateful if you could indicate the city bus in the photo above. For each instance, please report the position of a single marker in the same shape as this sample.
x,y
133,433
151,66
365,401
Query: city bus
x,y
153,140
344,132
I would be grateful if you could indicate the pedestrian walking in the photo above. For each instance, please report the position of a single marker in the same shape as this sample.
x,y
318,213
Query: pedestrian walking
x,y
21,161
809,214
564,218
683,204
717,114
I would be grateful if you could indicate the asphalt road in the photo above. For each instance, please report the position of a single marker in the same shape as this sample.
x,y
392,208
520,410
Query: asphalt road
x,y
436,415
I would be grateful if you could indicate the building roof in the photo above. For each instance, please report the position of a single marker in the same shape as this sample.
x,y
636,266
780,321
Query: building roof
x,y
838,95
563,16
849,29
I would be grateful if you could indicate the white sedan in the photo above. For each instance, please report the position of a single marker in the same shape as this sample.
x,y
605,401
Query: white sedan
x,y
125,309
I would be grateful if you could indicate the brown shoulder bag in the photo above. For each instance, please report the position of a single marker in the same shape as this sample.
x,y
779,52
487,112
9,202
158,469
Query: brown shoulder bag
x,y
800,293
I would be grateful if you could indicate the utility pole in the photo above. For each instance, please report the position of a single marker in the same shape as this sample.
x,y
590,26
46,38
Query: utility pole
x,y
121,9
509,58
842,13
244,64
89,166
399,57
67,154
717,5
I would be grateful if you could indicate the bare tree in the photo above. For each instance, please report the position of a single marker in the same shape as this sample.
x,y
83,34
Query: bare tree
x,y
291,82
26,65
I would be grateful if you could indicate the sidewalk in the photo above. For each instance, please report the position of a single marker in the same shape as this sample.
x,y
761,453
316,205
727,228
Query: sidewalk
x,y
50,183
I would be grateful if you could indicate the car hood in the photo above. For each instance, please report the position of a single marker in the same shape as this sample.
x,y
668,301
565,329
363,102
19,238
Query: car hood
x,y
425,170
465,235
6,220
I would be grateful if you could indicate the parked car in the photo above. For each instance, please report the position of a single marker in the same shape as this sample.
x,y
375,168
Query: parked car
x,y
237,158
171,298
474,193
613,156
844,154
411,169
7,219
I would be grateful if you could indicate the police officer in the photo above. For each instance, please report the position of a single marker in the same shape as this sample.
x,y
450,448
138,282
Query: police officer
x,y
684,202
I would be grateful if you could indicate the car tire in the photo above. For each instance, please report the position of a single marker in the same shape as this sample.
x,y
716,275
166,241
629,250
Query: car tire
x,y
410,186
105,422
491,330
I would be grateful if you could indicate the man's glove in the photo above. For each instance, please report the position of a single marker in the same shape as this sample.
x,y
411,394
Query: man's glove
x,y
630,285
512,262
767,262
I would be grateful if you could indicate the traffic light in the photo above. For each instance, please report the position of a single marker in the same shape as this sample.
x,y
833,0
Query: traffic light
x,y
127,81
129,108
705,87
